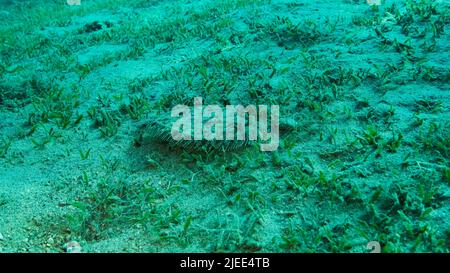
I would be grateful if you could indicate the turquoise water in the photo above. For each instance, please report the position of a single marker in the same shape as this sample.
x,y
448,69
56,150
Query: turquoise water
x,y
357,99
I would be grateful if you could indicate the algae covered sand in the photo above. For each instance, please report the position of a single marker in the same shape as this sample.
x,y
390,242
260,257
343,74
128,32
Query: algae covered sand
x,y
363,91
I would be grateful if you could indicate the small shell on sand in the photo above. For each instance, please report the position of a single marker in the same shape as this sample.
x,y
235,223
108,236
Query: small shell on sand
x,y
73,247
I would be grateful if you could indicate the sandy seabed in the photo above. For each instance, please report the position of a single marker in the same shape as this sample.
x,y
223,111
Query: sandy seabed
x,y
85,153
